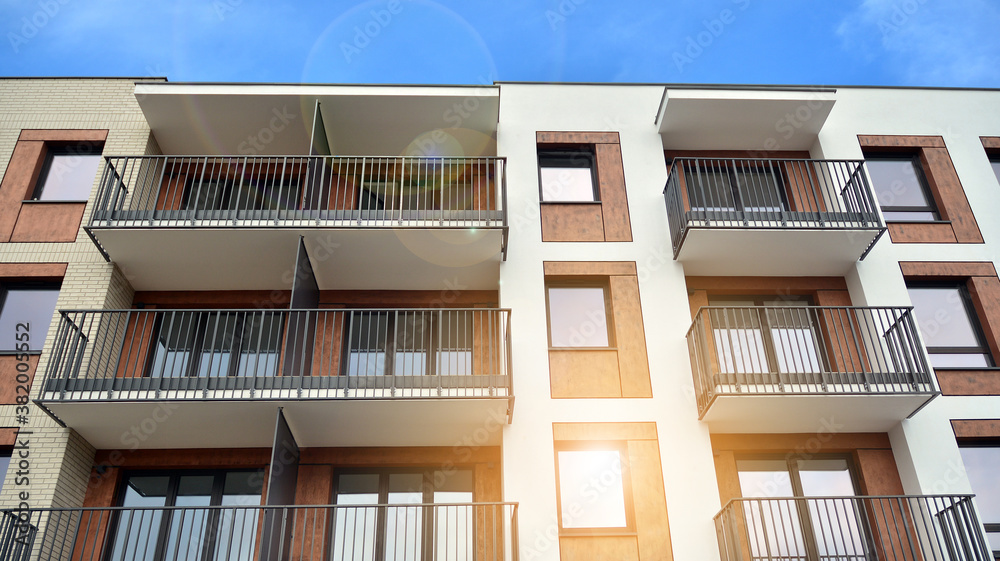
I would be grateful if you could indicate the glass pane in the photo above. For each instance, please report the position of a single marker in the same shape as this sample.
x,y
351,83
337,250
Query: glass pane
x,y
773,526
764,478
260,345
404,524
996,171
209,194
137,531
759,190
826,478
960,360
896,182
981,466
453,525
455,347
237,527
591,491
943,317
31,306
70,177
189,526
4,464
217,344
567,184
836,523
410,343
710,190
578,317
354,526
796,350
908,215
740,351
368,340
174,345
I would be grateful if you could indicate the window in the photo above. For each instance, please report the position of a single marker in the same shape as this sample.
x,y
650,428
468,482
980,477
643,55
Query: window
x,y
578,316
409,343
995,162
192,531
901,188
213,344
593,485
736,185
981,464
404,530
26,309
4,464
244,193
949,326
567,175
68,173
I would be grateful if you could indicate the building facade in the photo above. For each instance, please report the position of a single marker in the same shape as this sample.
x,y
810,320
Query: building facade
x,y
518,321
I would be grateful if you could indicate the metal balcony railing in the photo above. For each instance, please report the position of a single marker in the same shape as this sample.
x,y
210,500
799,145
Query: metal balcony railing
x,y
805,350
745,193
301,191
279,354
403,532
904,528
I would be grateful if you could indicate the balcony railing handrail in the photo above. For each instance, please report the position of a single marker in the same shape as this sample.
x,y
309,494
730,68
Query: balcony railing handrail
x,y
259,507
261,354
734,500
786,193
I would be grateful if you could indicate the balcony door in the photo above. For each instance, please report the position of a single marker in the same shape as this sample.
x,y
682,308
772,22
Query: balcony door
x,y
169,517
736,189
215,344
215,197
403,515
762,340
409,343
802,509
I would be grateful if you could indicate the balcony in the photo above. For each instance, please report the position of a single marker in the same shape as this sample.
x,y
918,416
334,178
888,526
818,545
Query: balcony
x,y
418,377
938,527
780,369
472,531
233,222
770,217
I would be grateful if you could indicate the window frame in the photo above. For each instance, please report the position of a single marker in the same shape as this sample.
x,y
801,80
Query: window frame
x,y
988,527
619,446
974,321
731,169
995,165
602,283
547,156
922,183
53,149
6,287
432,345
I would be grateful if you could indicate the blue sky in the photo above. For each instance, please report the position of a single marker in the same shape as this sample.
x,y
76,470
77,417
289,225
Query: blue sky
x,y
838,42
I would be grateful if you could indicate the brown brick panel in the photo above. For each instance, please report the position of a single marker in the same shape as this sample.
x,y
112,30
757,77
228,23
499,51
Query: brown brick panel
x,y
572,222
588,268
48,222
551,137
978,428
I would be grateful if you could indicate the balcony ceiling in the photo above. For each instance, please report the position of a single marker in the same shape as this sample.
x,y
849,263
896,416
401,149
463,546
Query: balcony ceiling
x,y
742,119
276,119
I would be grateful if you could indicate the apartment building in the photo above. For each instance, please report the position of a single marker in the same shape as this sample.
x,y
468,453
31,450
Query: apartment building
x,y
510,322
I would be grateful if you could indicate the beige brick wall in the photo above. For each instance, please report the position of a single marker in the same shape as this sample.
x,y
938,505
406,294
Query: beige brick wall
x,y
60,459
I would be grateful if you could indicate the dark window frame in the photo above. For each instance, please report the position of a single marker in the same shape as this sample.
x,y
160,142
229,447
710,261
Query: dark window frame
x,y
620,446
53,149
431,345
597,282
975,321
922,183
6,287
990,527
582,156
791,462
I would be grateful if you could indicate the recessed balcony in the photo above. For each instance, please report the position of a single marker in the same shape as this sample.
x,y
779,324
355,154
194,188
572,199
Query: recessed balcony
x,y
386,377
482,531
770,217
940,527
780,369
234,222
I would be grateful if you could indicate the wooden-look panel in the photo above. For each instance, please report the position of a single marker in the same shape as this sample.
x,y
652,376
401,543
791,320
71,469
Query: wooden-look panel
x,y
213,299
48,222
399,456
968,382
604,431
727,476
888,142
697,299
33,271
186,458
18,182
990,142
630,337
915,232
313,486
592,548
65,135
328,298
976,428
553,137
584,373
614,198
648,499
572,222
878,473
943,180
985,295
588,268
765,285
8,436
931,270
739,154
823,441
8,376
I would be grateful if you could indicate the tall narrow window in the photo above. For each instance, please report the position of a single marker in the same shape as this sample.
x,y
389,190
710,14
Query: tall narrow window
x,y
68,173
981,465
594,490
25,314
901,188
995,162
567,175
949,326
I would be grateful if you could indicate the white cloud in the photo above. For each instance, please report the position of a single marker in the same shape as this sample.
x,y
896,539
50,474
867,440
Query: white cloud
x,y
928,42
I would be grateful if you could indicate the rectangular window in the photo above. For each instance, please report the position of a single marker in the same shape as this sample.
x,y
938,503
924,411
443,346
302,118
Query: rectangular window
x,y
901,188
578,316
981,465
242,193
5,455
995,162
948,323
26,309
594,489
736,185
215,344
568,175
755,335
68,172
409,343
